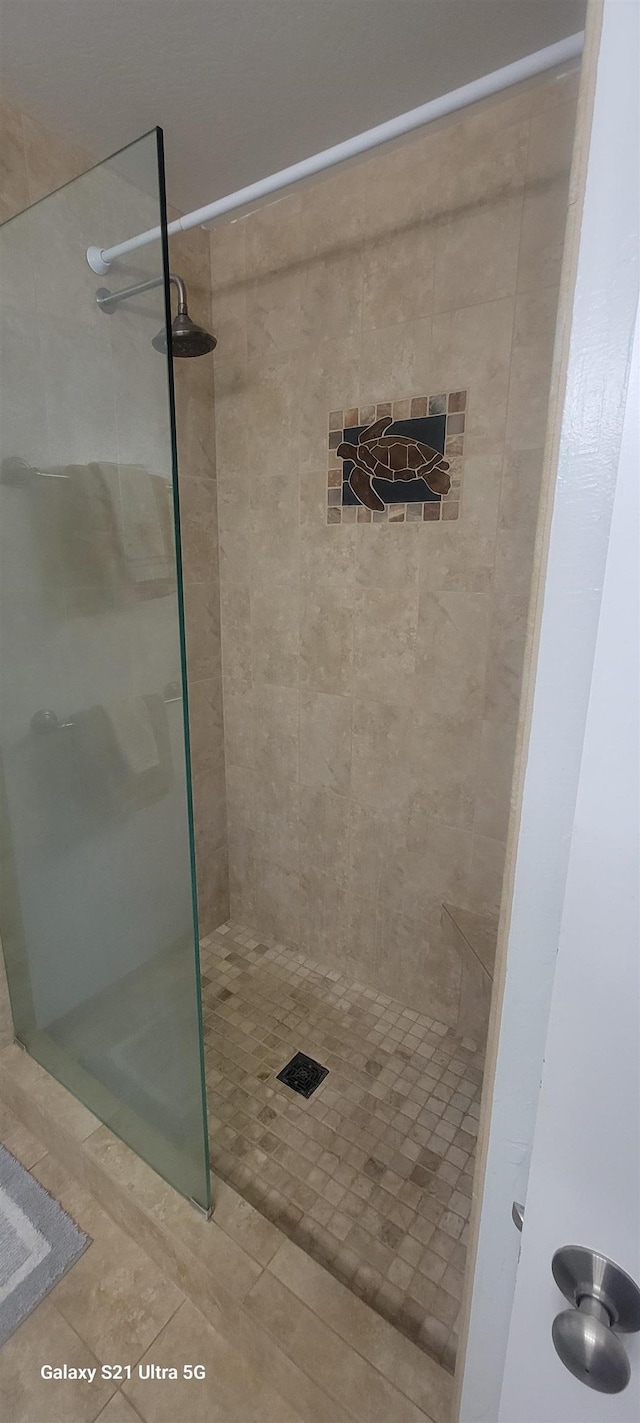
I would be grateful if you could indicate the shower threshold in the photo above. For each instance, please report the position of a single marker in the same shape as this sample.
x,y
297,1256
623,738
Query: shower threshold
x,y
372,1174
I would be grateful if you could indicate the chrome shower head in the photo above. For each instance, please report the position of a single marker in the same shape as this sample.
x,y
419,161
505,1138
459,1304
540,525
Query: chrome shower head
x,y
187,338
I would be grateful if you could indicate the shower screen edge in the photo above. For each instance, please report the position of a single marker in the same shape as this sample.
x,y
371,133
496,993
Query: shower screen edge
x,y
166,270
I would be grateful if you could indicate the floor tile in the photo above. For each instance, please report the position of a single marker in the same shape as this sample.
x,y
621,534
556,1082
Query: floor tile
x,y
116,1298
19,1140
118,1411
47,1338
362,1173
244,1224
411,1371
353,1382
233,1391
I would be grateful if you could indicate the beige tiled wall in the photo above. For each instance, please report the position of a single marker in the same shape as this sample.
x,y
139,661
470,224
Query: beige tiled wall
x,y
34,162
372,673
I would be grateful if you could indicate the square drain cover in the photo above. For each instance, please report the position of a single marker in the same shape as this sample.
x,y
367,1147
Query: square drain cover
x,y
303,1074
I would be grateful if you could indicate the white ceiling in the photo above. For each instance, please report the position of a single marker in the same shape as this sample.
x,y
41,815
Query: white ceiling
x,y
245,87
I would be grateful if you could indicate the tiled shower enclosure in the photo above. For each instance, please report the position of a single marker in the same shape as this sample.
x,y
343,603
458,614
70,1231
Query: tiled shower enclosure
x,y
381,384
360,470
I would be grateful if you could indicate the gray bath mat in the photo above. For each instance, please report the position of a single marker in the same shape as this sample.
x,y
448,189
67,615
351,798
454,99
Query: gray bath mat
x,y
38,1243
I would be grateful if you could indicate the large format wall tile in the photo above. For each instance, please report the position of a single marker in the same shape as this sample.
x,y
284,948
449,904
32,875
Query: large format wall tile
x,y
481,193
324,830
202,618
533,337
545,202
477,255
275,636
326,641
14,182
471,348
506,655
331,299
493,787
398,277
383,768
452,642
199,529
325,742
384,644
387,558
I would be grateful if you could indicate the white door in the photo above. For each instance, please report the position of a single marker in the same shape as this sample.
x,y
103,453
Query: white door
x,y
584,1178
570,1149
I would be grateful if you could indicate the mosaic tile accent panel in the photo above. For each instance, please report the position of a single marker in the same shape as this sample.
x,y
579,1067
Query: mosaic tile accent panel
x,y
398,461
372,1174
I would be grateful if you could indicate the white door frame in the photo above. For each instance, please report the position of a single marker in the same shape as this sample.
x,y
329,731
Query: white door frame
x,y
598,304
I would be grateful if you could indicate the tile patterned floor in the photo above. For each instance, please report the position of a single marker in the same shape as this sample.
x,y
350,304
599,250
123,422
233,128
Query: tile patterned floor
x,y
372,1175
117,1305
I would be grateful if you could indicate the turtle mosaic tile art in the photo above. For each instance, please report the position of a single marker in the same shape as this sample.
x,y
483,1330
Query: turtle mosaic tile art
x,y
398,461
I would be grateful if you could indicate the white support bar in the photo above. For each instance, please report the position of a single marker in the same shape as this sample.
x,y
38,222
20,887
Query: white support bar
x,y
100,259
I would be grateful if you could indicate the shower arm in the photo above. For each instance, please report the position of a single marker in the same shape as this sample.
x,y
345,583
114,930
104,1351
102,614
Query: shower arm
x,y
108,301
100,258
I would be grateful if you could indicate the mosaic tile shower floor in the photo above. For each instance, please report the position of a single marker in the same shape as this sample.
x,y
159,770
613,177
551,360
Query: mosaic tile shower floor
x,y
372,1174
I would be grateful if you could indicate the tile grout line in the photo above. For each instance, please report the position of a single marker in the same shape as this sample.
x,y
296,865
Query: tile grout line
x,y
347,1342
347,1345
152,1341
131,1405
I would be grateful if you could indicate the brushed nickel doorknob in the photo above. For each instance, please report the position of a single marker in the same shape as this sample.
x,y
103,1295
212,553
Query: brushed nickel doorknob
x,y
606,1302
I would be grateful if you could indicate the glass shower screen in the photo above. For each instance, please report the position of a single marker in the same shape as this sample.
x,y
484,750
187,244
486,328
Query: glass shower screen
x,y
98,915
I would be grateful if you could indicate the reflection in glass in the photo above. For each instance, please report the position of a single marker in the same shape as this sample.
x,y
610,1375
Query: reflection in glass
x,y
98,912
